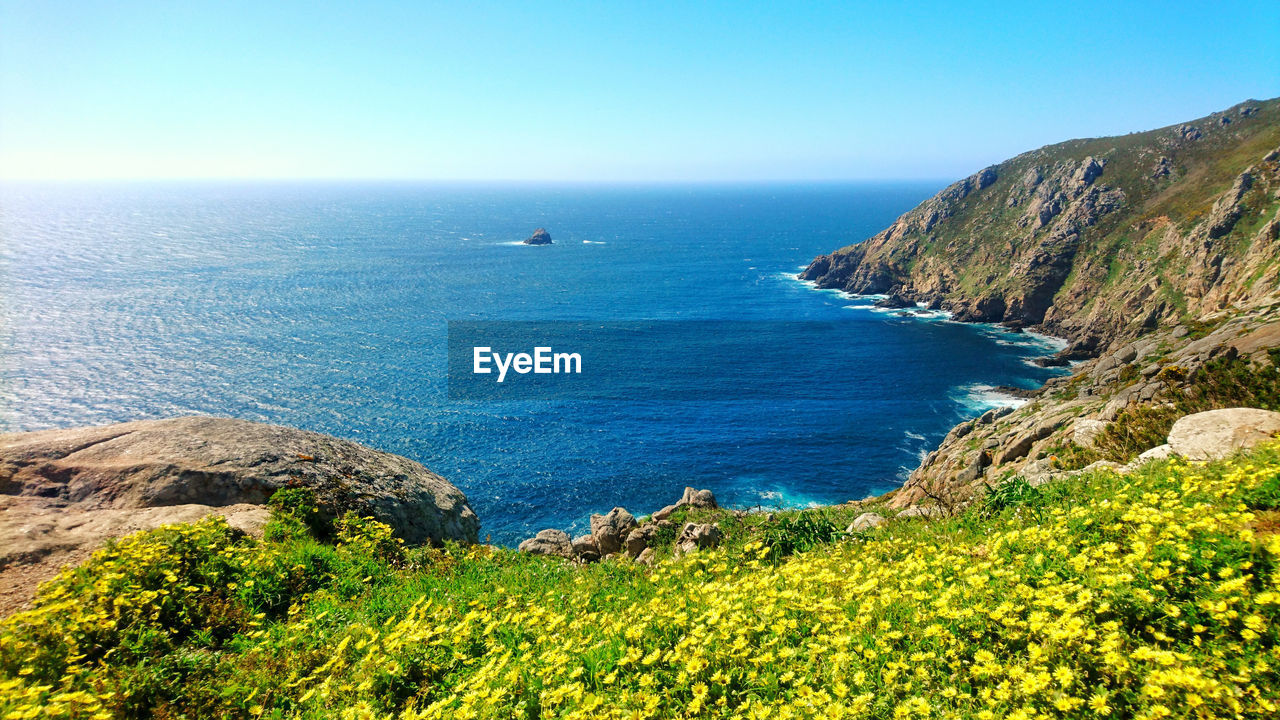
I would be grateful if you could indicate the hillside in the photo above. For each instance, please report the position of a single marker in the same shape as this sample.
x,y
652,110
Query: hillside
x,y
1094,240
1151,594
1155,254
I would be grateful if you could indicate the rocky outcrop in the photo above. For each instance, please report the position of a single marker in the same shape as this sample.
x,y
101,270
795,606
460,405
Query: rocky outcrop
x,y
1076,410
64,492
618,534
1215,434
539,237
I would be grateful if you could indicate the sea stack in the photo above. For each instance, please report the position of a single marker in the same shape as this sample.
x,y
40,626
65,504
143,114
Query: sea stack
x,y
539,237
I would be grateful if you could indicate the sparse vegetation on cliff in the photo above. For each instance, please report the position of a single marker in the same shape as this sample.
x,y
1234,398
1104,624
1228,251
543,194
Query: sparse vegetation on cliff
x,y
1096,240
1149,595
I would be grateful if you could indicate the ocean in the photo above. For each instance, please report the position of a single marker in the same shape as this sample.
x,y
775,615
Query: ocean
x,y
327,306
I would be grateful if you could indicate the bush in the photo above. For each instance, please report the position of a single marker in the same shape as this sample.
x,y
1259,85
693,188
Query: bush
x,y
803,532
294,514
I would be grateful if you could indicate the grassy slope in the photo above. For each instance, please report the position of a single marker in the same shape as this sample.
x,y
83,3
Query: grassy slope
x,y
1151,595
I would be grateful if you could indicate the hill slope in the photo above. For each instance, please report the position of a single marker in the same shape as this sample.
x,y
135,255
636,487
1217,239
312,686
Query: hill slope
x,y
1147,595
1097,240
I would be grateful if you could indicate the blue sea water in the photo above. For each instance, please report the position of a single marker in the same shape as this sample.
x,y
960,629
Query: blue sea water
x,y
325,306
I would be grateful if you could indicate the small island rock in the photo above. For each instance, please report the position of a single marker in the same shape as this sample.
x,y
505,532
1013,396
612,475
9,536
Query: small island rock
x,y
539,237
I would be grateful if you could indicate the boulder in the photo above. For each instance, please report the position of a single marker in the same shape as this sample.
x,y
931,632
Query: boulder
x,y
221,462
1099,465
637,540
1217,433
549,542
1159,452
539,237
609,529
698,498
584,548
1085,432
65,492
867,521
664,513
691,498
694,536
646,557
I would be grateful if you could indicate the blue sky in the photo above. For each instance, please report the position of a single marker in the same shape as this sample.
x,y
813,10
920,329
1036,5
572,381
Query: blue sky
x,y
616,91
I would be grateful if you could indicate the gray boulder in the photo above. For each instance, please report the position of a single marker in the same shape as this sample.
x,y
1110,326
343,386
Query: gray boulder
x,y
867,521
637,541
584,548
610,529
1159,452
1085,432
698,498
221,462
549,542
1218,433
65,492
691,498
694,536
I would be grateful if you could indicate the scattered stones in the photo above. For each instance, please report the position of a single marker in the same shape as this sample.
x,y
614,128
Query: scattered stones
x,y
617,532
1216,434
1188,132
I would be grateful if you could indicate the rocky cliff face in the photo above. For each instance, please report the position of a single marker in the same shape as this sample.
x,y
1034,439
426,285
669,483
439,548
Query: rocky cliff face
x,y
1099,241
1155,254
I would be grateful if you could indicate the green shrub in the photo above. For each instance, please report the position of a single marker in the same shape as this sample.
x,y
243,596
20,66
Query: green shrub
x,y
803,532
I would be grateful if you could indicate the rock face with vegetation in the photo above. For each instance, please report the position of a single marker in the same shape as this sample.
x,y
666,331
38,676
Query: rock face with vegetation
x,y
63,492
1098,241
1155,254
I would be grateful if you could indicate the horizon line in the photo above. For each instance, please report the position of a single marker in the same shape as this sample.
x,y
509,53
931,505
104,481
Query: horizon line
x,y
474,181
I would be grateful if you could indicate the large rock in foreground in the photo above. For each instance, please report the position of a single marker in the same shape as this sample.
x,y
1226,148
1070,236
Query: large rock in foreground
x,y
64,492
1215,434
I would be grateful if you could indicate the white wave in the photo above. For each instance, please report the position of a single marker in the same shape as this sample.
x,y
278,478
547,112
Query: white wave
x,y
594,242
977,398
914,436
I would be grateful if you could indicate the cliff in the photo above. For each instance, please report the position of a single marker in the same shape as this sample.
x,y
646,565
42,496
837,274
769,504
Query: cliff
x,y
1155,254
1097,240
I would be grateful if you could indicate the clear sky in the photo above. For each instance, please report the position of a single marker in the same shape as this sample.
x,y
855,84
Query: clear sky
x,y
616,90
